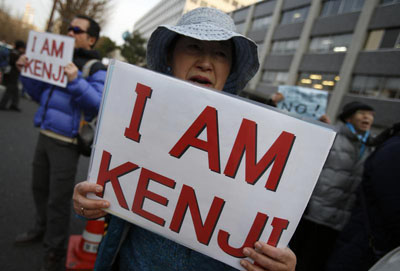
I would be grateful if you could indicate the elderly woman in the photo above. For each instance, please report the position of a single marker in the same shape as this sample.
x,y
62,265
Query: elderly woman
x,y
205,49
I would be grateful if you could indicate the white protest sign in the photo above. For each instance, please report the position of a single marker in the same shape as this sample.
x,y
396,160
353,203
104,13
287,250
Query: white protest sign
x,y
207,170
47,55
302,101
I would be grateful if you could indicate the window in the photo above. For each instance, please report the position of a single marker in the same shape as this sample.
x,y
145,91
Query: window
x,y
323,81
294,16
376,86
261,23
275,78
203,4
336,44
336,7
390,39
389,2
285,47
383,39
397,44
374,39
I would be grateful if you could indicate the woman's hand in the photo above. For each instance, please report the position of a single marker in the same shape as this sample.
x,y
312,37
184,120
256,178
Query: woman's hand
x,y
89,208
269,258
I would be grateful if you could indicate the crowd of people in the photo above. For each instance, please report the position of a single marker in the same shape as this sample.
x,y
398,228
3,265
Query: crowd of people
x,y
10,76
351,221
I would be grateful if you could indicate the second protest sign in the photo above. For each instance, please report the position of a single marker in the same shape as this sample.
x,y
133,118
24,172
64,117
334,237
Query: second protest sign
x,y
47,55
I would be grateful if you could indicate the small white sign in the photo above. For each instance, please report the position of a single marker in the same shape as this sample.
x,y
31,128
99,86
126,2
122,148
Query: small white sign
x,y
303,102
207,170
47,55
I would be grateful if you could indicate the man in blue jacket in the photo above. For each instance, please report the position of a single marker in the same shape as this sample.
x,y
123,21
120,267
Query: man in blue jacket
x,y
56,155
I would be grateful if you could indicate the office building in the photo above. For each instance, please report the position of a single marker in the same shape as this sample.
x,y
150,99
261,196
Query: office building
x,y
169,12
349,48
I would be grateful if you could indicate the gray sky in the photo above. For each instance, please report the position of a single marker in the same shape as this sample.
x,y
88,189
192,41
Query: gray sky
x,y
123,15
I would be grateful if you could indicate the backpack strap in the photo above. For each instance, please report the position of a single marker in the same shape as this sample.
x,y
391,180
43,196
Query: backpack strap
x,y
88,65
85,74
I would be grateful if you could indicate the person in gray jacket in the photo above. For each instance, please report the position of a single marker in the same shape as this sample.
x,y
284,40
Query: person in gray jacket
x,y
334,195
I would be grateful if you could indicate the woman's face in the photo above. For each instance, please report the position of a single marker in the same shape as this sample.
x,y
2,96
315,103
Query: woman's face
x,y
207,63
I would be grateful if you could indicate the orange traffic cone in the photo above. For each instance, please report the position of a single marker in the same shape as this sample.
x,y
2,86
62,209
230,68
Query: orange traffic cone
x,y
82,249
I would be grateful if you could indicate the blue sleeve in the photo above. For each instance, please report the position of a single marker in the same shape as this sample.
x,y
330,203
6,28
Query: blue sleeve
x,y
33,87
87,92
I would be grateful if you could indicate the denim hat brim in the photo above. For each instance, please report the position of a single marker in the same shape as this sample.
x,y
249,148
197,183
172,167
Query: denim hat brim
x,y
209,25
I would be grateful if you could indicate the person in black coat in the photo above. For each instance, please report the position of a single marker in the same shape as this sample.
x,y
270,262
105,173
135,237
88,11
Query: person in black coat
x,y
374,227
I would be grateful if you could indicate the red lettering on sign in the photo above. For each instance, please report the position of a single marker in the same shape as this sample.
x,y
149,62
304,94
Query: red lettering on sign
x,y
44,70
57,52
47,69
34,43
277,154
142,192
187,199
105,175
37,68
254,234
143,93
279,225
45,47
28,66
54,51
62,77
206,120
60,74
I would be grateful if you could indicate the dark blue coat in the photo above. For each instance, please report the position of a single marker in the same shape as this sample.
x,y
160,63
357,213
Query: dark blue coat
x,y
138,249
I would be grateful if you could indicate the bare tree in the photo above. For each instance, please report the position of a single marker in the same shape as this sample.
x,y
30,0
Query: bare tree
x,y
67,9
12,27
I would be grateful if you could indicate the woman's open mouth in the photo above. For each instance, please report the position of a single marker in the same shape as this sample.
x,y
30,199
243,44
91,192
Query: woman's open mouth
x,y
201,80
365,123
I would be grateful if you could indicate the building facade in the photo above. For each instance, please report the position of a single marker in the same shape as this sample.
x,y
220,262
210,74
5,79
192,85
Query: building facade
x,y
169,12
349,48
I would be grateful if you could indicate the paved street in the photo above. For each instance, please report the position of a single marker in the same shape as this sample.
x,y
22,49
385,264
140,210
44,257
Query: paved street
x,y
17,139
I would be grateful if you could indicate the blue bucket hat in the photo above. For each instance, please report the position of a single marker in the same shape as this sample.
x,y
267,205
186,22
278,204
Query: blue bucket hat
x,y
207,24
